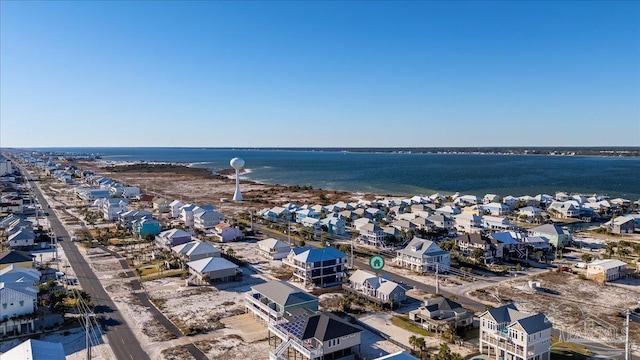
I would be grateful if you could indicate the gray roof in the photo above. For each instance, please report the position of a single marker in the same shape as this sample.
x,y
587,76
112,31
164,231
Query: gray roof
x,y
283,293
531,323
326,326
548,229
442,303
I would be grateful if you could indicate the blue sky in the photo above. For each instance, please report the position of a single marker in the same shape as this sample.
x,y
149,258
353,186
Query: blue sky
x,y
252,74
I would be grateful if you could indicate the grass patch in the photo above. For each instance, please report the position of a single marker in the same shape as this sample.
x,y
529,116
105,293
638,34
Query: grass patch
x,y
164,274
148,270
568,351
405,323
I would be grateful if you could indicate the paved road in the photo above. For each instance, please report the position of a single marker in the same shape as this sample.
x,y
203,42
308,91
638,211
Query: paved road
x,y
123,343
159,316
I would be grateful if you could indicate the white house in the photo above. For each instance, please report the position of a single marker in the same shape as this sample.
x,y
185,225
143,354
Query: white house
x,y
273,249
24,237
383,290
469,223
226,232
130,192
196,250
372,234
323,267
207,219
215,269
112,206
606,270
174,208
423,255
17,299
507,333
496,209
173,237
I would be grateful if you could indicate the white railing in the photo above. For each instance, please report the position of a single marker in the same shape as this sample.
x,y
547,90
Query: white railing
x,y
264,310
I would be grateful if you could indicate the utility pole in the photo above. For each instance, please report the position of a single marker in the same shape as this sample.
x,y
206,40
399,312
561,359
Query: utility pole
x,y
87,336
626,340
289,231
437,282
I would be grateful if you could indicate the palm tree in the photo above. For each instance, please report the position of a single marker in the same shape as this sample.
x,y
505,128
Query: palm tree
x,y
420,344
230,252
413,342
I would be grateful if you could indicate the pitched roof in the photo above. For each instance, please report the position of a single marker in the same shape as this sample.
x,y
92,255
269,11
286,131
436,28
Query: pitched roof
x,y
272,243
418,247
442,303
13,256
325,326
283,293
607,264
510,314
548,229
211,264
320,254
36,350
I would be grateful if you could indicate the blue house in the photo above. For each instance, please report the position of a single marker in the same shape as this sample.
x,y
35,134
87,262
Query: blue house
x,y
146,226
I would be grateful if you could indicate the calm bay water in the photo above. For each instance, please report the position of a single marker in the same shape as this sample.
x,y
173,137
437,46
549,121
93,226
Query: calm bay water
x,y
409,174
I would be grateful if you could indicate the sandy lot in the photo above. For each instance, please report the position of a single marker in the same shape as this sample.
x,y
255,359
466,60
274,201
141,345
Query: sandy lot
x,y
580,307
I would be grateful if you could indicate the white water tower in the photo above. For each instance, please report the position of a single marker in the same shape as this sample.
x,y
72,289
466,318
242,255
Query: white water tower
x,y
237,163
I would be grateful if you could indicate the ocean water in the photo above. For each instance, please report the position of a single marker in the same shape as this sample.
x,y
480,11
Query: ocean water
x,y
409,174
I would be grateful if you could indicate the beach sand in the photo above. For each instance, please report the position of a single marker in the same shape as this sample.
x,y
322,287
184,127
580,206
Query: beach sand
x,y
201,186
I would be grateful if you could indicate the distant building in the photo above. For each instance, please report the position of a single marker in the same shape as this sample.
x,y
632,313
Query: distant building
x,y
621,225
555,234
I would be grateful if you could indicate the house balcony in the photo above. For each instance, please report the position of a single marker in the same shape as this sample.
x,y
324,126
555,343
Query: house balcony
x,y
310,349
261,309
503,342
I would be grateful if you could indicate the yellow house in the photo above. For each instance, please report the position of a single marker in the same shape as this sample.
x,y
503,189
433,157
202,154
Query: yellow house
x,y
18,258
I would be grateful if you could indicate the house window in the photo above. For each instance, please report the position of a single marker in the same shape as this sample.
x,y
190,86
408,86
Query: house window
x,y
21,302
4,305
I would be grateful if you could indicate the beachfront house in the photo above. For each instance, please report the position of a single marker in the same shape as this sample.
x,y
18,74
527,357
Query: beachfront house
x,y
423,255
321,267
467,222
306,213
555,234
496,223
196,250
170,238
606,270
375,288
507,333
130,192
272,300
308,336
496,209
442,222
439,313
273,249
